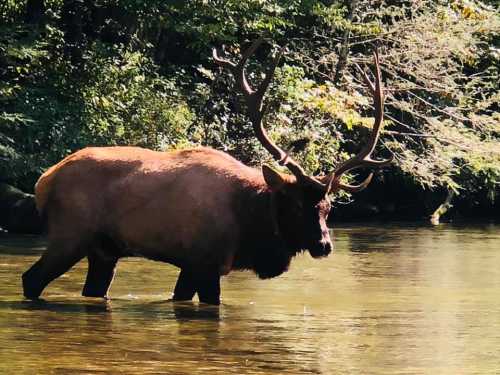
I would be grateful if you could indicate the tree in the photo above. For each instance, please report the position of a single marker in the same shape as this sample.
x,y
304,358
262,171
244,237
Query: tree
x,y
72,16
35,11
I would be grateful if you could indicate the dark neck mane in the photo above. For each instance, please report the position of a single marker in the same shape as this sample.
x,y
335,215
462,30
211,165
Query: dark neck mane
x,y
261,249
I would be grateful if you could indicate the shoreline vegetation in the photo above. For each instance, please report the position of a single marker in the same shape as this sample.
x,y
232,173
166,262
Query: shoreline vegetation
x,y
127,72
19,214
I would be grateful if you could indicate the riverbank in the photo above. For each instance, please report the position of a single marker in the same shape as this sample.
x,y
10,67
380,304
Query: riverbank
x,y
75,74
376,204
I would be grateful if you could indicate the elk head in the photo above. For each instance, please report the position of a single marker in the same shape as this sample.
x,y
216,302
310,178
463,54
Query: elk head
x,y
300,203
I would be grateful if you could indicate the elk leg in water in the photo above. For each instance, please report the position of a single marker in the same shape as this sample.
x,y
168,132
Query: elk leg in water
x,y
56,260
185,288
207,284
208,287
100,274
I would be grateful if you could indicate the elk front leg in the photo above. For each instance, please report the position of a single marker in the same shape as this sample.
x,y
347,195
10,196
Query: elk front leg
x,y
206,283
227,266
100,275
208,287
185,288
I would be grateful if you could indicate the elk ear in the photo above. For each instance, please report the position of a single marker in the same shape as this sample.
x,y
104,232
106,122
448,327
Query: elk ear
x,y
273,179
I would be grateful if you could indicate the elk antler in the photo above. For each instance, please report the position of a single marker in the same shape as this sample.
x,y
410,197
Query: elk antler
x,y
256,110
364,157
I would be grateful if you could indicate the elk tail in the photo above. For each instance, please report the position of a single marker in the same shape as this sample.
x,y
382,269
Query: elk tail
x,y
45,185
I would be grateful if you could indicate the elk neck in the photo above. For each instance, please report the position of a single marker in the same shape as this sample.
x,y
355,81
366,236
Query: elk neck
x,y
261,245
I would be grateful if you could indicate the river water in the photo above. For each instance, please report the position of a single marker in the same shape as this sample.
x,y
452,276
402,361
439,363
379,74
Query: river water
x,y
392,299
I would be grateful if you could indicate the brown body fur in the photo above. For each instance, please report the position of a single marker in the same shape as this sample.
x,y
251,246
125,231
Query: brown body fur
x,y
159,205
199,209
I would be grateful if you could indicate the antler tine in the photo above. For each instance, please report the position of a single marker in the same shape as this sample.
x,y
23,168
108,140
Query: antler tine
x,y
378,97
335,184
269,75
222,62
238,70
364,158
254,101
367,79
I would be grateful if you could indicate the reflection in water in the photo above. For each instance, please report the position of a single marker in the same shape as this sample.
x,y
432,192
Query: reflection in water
x,y
391,299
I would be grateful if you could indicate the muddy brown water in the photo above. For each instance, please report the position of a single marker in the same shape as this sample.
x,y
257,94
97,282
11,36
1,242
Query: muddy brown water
x,y
392,299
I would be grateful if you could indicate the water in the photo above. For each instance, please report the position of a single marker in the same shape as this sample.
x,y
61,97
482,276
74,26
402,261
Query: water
x,y
392,299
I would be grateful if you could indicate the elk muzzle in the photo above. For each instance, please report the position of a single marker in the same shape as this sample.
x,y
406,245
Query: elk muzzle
x,y
323,247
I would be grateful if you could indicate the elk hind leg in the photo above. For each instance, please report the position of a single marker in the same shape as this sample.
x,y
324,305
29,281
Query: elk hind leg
x,y
57,259
100,274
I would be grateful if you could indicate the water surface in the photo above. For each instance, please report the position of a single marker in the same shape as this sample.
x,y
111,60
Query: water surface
x,y
392,299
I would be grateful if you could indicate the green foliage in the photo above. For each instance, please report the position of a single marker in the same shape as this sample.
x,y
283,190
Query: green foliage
x,y
10,10
127,102
139,72
50,108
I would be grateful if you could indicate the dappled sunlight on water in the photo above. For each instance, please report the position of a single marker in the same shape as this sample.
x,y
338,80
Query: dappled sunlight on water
x,y
390,299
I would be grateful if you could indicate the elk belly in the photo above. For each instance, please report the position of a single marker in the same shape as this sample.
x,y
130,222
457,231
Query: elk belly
x,y
180,227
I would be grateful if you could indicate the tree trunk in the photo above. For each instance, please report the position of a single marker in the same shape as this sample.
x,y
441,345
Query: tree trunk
x,y
443,208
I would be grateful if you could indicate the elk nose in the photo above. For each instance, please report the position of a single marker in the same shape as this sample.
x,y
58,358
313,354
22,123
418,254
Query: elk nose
x,y
321,249
327,247
326,240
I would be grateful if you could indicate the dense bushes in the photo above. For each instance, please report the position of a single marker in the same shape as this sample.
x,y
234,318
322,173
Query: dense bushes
x,y
51,108
76,73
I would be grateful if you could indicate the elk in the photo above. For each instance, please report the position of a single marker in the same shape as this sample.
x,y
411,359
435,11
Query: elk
x,y
198,209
